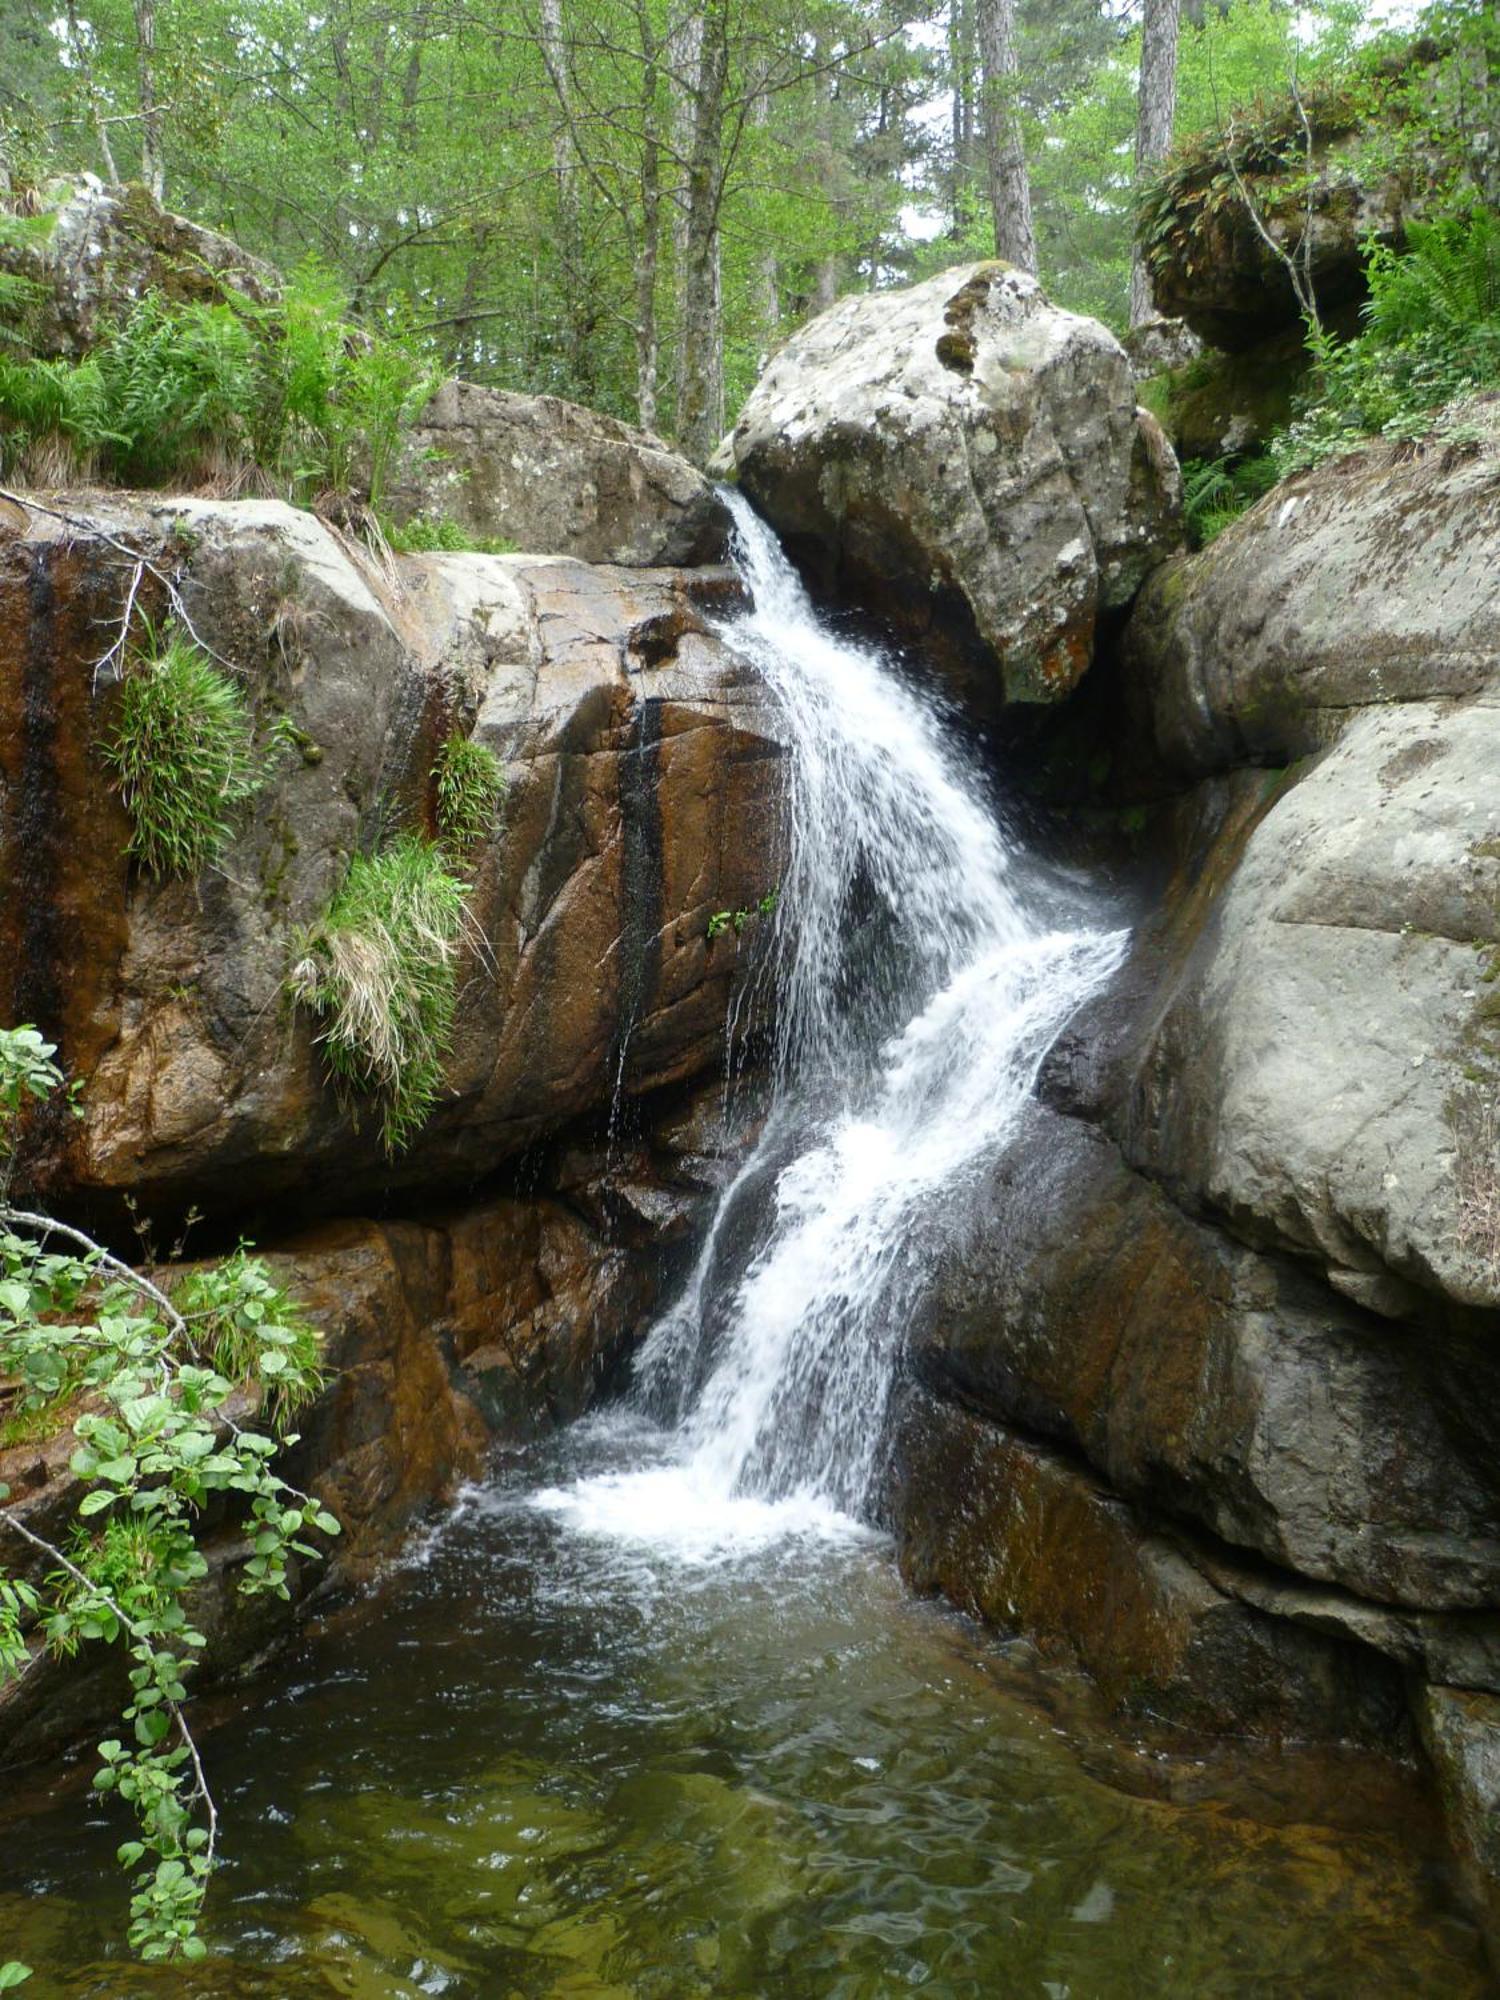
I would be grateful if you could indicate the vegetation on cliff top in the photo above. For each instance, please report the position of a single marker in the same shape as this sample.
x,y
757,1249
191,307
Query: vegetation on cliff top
x,y
287,397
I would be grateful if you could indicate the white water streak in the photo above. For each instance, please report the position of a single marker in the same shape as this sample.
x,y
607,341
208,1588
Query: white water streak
x,y
920,988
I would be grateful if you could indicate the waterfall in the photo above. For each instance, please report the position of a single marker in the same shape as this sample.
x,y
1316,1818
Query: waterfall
x,y
924,965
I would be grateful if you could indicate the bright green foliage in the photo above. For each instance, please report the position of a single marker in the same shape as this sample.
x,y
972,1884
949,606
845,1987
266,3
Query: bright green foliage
x,y
441,535
470,785
381,971
736,920
182,387
182,754
1217,491
154,1443
241,1323
54,419
1431,338
13,1974
290,390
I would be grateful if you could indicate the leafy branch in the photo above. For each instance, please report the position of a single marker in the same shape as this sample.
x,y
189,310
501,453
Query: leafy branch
x,y
152,1379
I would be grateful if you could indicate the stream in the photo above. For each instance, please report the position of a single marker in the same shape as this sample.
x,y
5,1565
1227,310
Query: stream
x,y
650,1714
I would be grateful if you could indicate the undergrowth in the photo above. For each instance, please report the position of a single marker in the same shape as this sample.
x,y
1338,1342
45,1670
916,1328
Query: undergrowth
x,y
155,1403
288,395
380,970
1216,491
470,785
440,534
183,756
1431,339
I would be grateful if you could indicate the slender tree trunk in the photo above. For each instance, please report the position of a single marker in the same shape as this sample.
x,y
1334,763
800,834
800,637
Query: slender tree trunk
x,y
153,165
700,408
1153,128
569,213
1004,154
648,259
961,65
83,57
767,264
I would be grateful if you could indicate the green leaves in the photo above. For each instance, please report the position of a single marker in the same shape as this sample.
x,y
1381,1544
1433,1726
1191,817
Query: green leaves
x,y
183,757
154,1441
470,785
381,971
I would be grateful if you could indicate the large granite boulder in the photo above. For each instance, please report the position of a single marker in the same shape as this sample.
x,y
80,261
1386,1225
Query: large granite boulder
x,y
93,251
548,475
1218,1334
1321,1066
643,785
969,459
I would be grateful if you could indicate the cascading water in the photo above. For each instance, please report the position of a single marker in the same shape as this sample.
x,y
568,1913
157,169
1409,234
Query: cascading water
x,y
922,976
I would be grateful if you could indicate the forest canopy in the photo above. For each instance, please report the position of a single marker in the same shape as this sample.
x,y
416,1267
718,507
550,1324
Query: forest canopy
x,y
628,202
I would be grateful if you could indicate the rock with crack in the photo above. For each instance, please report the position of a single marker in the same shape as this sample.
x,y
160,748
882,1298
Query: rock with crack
x,y
642,772
969,459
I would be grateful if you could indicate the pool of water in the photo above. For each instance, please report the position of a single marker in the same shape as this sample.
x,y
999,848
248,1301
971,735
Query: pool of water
x,y
602,1747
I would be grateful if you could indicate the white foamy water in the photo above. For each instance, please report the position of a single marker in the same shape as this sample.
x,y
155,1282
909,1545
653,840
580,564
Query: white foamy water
x,y
923,969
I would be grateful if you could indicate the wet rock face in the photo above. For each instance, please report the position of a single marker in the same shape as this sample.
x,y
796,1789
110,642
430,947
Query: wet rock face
x,y
1031,1541
968,459
642,796
1231,1287
1212,1383
108,247
545,474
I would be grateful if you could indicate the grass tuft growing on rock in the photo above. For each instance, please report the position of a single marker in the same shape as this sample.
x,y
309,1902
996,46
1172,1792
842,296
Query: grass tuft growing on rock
x,y
470,785
242,1323
183,757
381,972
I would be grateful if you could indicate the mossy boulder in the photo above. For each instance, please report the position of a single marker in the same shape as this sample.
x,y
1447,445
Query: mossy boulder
x,y
92,252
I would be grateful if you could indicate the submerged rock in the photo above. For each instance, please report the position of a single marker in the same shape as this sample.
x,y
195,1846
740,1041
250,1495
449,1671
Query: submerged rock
x,y
969,459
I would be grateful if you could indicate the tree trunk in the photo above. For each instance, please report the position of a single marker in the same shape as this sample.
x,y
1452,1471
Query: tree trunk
x,y
648,258
153,165
700,408
1004,154
565,174
1153,127
84,61
961,66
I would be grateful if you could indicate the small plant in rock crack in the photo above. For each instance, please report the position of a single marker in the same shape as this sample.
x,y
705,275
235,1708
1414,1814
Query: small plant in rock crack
x,y
470,785
148,1388
182,754
381,971
736,920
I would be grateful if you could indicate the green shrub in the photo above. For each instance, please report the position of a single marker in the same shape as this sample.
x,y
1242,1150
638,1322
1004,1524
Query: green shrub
x,y
182,389
54,419
1217,491
193,391
381,971
183,757
242,1323
440,534
470,785
1431,337
88,1342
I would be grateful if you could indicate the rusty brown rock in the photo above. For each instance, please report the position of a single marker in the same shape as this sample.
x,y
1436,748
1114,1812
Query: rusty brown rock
x,y
1033,1543
643,793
